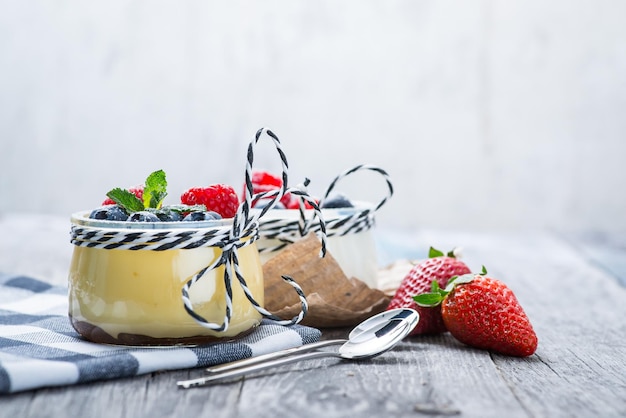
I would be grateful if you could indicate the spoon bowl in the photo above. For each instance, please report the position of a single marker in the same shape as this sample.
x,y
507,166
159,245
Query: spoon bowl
x,y
371,338
382,319
381,335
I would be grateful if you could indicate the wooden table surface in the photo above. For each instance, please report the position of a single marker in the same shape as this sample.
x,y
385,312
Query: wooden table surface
x,y
571,286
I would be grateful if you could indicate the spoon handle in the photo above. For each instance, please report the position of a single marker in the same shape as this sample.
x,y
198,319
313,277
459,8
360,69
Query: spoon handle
x,y
186,384
271,356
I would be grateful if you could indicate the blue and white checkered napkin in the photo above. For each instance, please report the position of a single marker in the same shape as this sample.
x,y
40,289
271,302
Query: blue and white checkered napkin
x,y
39,347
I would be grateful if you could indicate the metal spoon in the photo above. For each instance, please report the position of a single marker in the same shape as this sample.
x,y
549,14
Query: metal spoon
x,y
379,321
369,339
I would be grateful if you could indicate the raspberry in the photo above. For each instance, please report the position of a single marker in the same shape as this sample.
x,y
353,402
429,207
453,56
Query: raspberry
x,y
137,191
267,179
219,198
262,181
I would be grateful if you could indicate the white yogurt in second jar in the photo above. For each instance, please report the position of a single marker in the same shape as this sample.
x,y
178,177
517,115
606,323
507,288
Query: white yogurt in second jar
x,y
349,237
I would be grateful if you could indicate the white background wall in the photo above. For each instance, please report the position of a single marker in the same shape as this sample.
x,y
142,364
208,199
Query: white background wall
x,y
487,114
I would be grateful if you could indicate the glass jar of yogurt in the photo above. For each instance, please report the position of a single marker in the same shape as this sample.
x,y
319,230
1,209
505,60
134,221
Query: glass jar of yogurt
x,y
126,280
349,237
348,230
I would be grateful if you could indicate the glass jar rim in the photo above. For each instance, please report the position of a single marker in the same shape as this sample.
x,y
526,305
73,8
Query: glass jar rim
x,y
82,219
328,213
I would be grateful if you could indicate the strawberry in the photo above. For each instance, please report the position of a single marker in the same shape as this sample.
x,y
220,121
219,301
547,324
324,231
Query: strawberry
x,y
438,267
483,312
137,191
219,198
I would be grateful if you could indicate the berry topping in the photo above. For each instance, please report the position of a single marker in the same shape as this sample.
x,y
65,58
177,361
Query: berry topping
x,y
143,216
145,203
337,201
263,178
262,181
219,198
168,215
210,215
109,213
202,216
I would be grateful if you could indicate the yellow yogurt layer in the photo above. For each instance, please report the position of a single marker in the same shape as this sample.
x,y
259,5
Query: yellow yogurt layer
x,y
139,291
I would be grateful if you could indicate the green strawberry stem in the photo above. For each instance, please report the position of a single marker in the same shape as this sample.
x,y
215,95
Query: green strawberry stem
x,y
433,252
437,294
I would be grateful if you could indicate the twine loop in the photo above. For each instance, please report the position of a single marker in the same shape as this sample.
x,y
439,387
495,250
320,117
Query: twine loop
x,y
347,220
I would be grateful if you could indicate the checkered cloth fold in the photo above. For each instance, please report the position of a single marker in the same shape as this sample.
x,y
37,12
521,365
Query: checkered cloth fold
x,y
39,347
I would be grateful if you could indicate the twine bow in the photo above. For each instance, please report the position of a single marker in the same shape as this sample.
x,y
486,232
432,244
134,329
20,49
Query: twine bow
x,y
245,225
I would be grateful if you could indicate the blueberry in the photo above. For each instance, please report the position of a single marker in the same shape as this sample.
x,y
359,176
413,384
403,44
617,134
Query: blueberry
x,y
143,216
210,215
169,215
194,216
337,201
99,213
109,213
202,216
116,213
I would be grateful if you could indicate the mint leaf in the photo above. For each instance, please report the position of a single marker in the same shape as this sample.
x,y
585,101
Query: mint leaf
x,y
155,190
186,208
126,199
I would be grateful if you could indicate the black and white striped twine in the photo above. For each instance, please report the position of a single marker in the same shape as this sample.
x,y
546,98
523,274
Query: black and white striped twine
x,y
288,231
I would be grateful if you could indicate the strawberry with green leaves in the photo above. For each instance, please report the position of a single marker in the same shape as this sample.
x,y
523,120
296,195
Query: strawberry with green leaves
x,y
483,312
439,267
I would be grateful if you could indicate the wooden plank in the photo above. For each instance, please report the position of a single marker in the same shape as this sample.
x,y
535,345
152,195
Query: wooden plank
x,y
607,251
576,306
